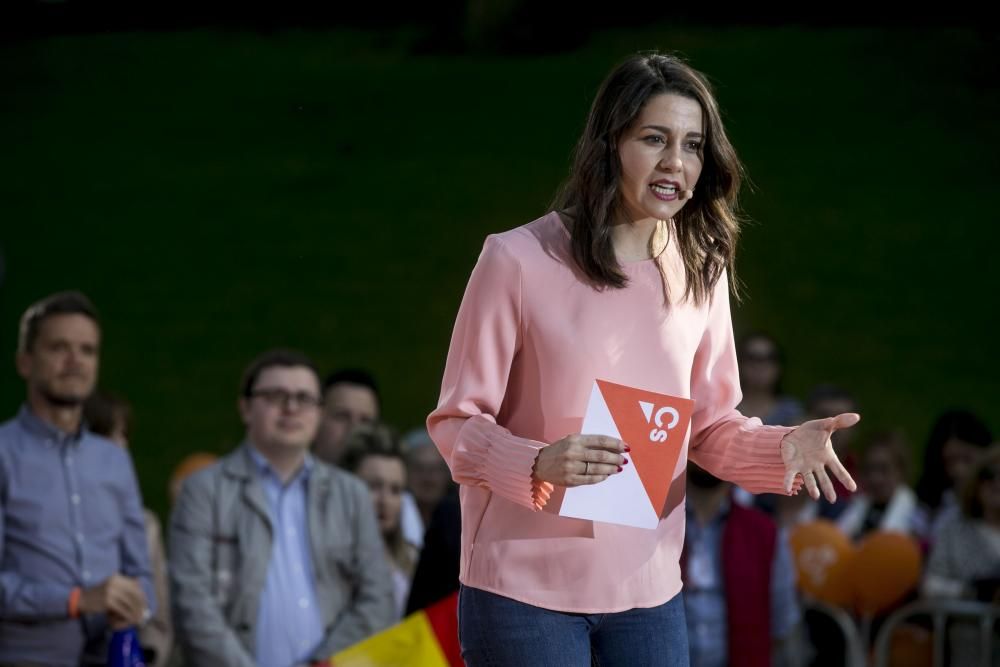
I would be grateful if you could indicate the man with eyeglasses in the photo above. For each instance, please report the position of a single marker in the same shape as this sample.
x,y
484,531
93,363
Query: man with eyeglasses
x,y
276,557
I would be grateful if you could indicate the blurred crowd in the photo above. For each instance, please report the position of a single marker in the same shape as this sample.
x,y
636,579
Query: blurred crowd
x,y
324,525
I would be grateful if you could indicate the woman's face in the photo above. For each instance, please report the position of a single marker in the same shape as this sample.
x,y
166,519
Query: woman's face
x,y
386,479
760,367
989,490
428,477
959,457
661,155
880,474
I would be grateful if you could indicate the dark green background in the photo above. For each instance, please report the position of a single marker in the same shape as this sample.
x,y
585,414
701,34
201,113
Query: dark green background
x,y
217,193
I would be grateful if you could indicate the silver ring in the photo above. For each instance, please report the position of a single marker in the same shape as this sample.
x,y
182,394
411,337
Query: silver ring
x,y
586,470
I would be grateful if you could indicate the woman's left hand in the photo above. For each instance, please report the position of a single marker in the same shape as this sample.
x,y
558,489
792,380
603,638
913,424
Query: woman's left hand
x,y
807,451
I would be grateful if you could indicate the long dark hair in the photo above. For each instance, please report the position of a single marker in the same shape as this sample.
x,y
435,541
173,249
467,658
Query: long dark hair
x,y
961,425
707,228
972,506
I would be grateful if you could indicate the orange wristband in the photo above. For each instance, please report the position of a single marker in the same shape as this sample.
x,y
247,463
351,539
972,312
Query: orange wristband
x,y
74,602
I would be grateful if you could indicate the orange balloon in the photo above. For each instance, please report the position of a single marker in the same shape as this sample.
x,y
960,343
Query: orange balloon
x,y
885,569
822,560
189,464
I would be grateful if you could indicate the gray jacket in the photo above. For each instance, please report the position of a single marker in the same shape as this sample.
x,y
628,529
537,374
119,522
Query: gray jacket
x,y
220,544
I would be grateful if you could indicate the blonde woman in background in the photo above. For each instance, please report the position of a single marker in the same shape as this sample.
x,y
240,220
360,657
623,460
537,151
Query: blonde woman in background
x,y
375,454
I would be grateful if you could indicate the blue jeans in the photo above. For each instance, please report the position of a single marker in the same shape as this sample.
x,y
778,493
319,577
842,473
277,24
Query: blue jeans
x,y
498,631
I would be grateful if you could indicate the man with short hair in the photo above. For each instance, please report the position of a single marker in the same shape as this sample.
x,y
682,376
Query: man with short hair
x,y
350,399
275,557
73,561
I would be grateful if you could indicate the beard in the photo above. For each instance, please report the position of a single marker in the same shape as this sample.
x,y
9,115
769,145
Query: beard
x,y
63,399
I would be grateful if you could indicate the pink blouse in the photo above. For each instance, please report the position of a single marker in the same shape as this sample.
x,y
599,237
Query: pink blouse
x,y
530,339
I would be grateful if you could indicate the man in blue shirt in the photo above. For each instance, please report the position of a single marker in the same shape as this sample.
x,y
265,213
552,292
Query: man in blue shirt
x,y
739,581
275,557
73,561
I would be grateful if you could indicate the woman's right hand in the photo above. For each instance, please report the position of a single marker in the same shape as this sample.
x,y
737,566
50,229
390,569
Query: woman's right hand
x,y
580,459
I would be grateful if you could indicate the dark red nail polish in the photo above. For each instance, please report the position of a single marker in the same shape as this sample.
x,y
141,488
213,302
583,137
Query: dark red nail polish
x,y
626,462
619,468
627,448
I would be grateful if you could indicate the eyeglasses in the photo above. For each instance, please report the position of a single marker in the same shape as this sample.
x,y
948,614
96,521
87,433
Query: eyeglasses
x,y
281,398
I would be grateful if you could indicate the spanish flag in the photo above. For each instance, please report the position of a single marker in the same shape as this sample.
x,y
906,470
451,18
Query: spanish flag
x,y
427,638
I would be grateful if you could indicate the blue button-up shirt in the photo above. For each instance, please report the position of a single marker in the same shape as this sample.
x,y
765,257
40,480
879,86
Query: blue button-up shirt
x,y
70,515
704,593
289,626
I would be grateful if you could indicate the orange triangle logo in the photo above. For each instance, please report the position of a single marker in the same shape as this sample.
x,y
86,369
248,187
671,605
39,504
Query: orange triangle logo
x,y
654,427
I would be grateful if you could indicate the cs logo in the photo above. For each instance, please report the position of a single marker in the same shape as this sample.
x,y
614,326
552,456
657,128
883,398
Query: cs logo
x,y
659,434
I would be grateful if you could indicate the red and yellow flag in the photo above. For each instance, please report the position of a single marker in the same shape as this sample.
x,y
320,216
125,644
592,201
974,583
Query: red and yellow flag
x,y
427,638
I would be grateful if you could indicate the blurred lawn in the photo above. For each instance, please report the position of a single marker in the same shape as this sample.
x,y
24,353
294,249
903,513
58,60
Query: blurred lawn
x,y
220,193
